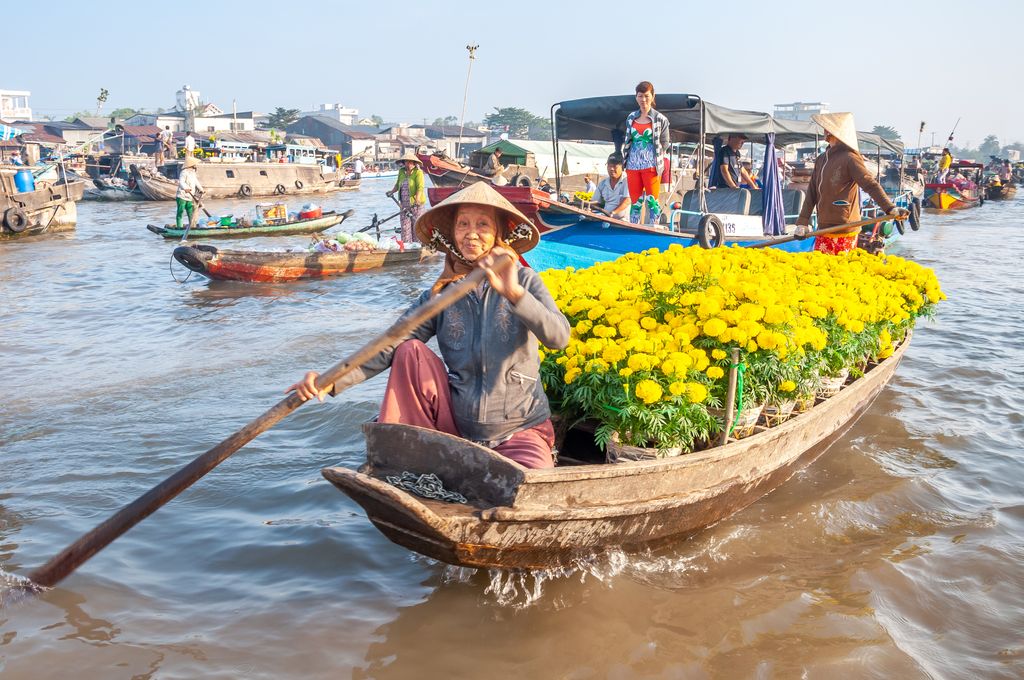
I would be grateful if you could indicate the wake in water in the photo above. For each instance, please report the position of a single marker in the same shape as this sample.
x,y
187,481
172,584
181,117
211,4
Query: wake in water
x,y
15,589
521,588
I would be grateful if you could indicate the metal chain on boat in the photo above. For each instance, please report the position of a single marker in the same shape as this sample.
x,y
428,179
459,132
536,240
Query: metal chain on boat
x,y
427,486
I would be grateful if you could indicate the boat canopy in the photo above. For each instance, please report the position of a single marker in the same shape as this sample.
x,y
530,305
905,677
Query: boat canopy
x,y
579,158
880,143
594,118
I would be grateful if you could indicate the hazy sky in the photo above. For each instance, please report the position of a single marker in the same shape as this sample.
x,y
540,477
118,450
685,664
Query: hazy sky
x,y
891,63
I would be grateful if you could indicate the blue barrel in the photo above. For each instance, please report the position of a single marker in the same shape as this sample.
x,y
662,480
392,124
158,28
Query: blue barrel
x,y
24,181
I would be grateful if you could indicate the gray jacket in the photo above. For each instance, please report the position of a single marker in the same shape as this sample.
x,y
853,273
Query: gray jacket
x,y
490,349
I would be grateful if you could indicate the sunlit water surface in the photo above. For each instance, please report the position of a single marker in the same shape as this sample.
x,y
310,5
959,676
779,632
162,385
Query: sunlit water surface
x,y
897,554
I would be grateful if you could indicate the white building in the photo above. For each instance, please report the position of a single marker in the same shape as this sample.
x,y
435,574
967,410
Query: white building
x,y
800,110
14,105
343,114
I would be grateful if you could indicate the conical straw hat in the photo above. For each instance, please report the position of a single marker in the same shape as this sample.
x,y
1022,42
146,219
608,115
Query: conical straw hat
x,y
410,156
841,126
435,226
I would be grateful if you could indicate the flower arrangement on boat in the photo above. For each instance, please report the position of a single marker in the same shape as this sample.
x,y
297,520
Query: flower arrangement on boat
x,y
653,334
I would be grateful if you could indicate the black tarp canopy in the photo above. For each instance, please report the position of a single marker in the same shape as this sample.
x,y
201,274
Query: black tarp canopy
x,y
594,118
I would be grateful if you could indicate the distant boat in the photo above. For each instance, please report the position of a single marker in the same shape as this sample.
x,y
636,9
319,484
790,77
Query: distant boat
x,y
303,226
957,195
242,180
31,206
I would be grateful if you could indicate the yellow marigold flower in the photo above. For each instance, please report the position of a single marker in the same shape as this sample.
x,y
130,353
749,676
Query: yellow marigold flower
x,y
718,354
696,392
766,340
787,386
677,388
596,312
571,375
714,327
613,353
625,372
661,283
648,323
715,372
648,391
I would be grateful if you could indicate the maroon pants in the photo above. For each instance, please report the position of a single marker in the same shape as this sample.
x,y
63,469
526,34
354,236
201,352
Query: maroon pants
x,y
418,394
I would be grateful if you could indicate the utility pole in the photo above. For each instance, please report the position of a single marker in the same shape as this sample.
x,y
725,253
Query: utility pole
x,y
465,95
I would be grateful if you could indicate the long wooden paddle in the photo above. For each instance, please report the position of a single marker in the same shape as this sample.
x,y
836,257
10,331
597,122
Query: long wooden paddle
x,y
827,230
72,557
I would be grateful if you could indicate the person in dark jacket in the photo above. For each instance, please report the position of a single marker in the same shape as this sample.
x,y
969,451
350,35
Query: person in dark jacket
x,y
487,389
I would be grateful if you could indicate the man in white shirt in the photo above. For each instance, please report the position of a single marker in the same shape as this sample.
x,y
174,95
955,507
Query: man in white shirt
x,y
190,144
163,145
189,190
612,195
357,168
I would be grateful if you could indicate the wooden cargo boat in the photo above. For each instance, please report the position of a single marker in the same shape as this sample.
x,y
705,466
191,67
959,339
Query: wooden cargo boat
x,y
312,225
242,180
1001,192
49,208
515,517
277,267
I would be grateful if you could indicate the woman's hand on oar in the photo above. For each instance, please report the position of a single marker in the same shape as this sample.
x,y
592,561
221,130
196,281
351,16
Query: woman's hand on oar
x,y
306,388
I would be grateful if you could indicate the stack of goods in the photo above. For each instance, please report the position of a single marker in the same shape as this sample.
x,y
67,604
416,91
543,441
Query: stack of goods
x,y
359,242
271,213
653,332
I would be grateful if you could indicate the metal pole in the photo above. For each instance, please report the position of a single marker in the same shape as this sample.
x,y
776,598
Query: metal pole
x,y
465,96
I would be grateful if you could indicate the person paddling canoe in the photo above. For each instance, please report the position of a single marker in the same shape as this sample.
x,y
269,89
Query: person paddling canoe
x,y
487,388
189,190
833,189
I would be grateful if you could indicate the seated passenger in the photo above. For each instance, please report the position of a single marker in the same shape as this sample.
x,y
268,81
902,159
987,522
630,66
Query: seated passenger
x,y
487,389
731,172
612,195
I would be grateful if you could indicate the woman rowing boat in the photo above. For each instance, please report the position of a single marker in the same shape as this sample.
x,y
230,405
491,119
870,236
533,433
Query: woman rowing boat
x,y
488,388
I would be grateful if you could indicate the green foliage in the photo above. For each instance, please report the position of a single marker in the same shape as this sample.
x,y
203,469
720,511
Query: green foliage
x,y
886,132
447,120
518,123
282,117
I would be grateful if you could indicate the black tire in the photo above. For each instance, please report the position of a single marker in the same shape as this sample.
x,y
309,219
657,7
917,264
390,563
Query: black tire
x,y
901,227
915,214
710,232
298,184
245,191
513,181
16,220
280,189
524,181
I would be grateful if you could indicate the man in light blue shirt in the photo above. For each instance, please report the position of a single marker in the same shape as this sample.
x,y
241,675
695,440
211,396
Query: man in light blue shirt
x,y
612,195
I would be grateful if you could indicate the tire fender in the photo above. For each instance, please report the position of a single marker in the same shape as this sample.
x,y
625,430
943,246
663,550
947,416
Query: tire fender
x,y
279,189
245,190
16,220
710,232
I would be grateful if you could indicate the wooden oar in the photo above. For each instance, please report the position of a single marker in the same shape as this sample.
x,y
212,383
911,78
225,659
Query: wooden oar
x,y
827,230
72,557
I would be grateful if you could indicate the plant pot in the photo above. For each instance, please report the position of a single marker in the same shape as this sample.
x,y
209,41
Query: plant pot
x,y
746,422
621,453
776,414
830,385
804,403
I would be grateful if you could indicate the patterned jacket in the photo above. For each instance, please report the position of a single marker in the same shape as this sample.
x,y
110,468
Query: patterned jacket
x,y
490,349
660,131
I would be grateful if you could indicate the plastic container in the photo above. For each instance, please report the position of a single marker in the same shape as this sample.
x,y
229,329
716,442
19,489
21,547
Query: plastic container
x,y
226,220
24,181
311,213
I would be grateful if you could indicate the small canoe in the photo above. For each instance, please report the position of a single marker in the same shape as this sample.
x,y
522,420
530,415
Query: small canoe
x,y
515,517
1001,192
309,226
276,267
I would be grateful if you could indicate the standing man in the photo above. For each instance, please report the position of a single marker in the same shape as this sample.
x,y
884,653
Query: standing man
x,y
190,145
731,171
612,194
164,145
944,163
189,190
833,189
357,168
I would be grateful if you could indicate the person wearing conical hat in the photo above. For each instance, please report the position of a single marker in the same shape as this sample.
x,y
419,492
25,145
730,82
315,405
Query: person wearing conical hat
x,y
412,193
189,190
485,386
833,191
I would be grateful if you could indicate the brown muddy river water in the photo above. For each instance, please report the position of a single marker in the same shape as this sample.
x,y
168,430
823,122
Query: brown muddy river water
x,y
897,554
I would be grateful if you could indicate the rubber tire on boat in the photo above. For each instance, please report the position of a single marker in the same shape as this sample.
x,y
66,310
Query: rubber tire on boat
x,y
245,191
513,181
901,227
915,214
523,181
16,220
279,189
298,184
710,232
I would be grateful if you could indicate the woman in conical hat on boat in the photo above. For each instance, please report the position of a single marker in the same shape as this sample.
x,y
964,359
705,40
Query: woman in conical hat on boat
x,y
487,388
833,189
412,193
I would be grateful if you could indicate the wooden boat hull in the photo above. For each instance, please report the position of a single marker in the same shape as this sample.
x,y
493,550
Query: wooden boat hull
x,y
229,180
49,209
279,267
310,226
1002,192
948,197
538,519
